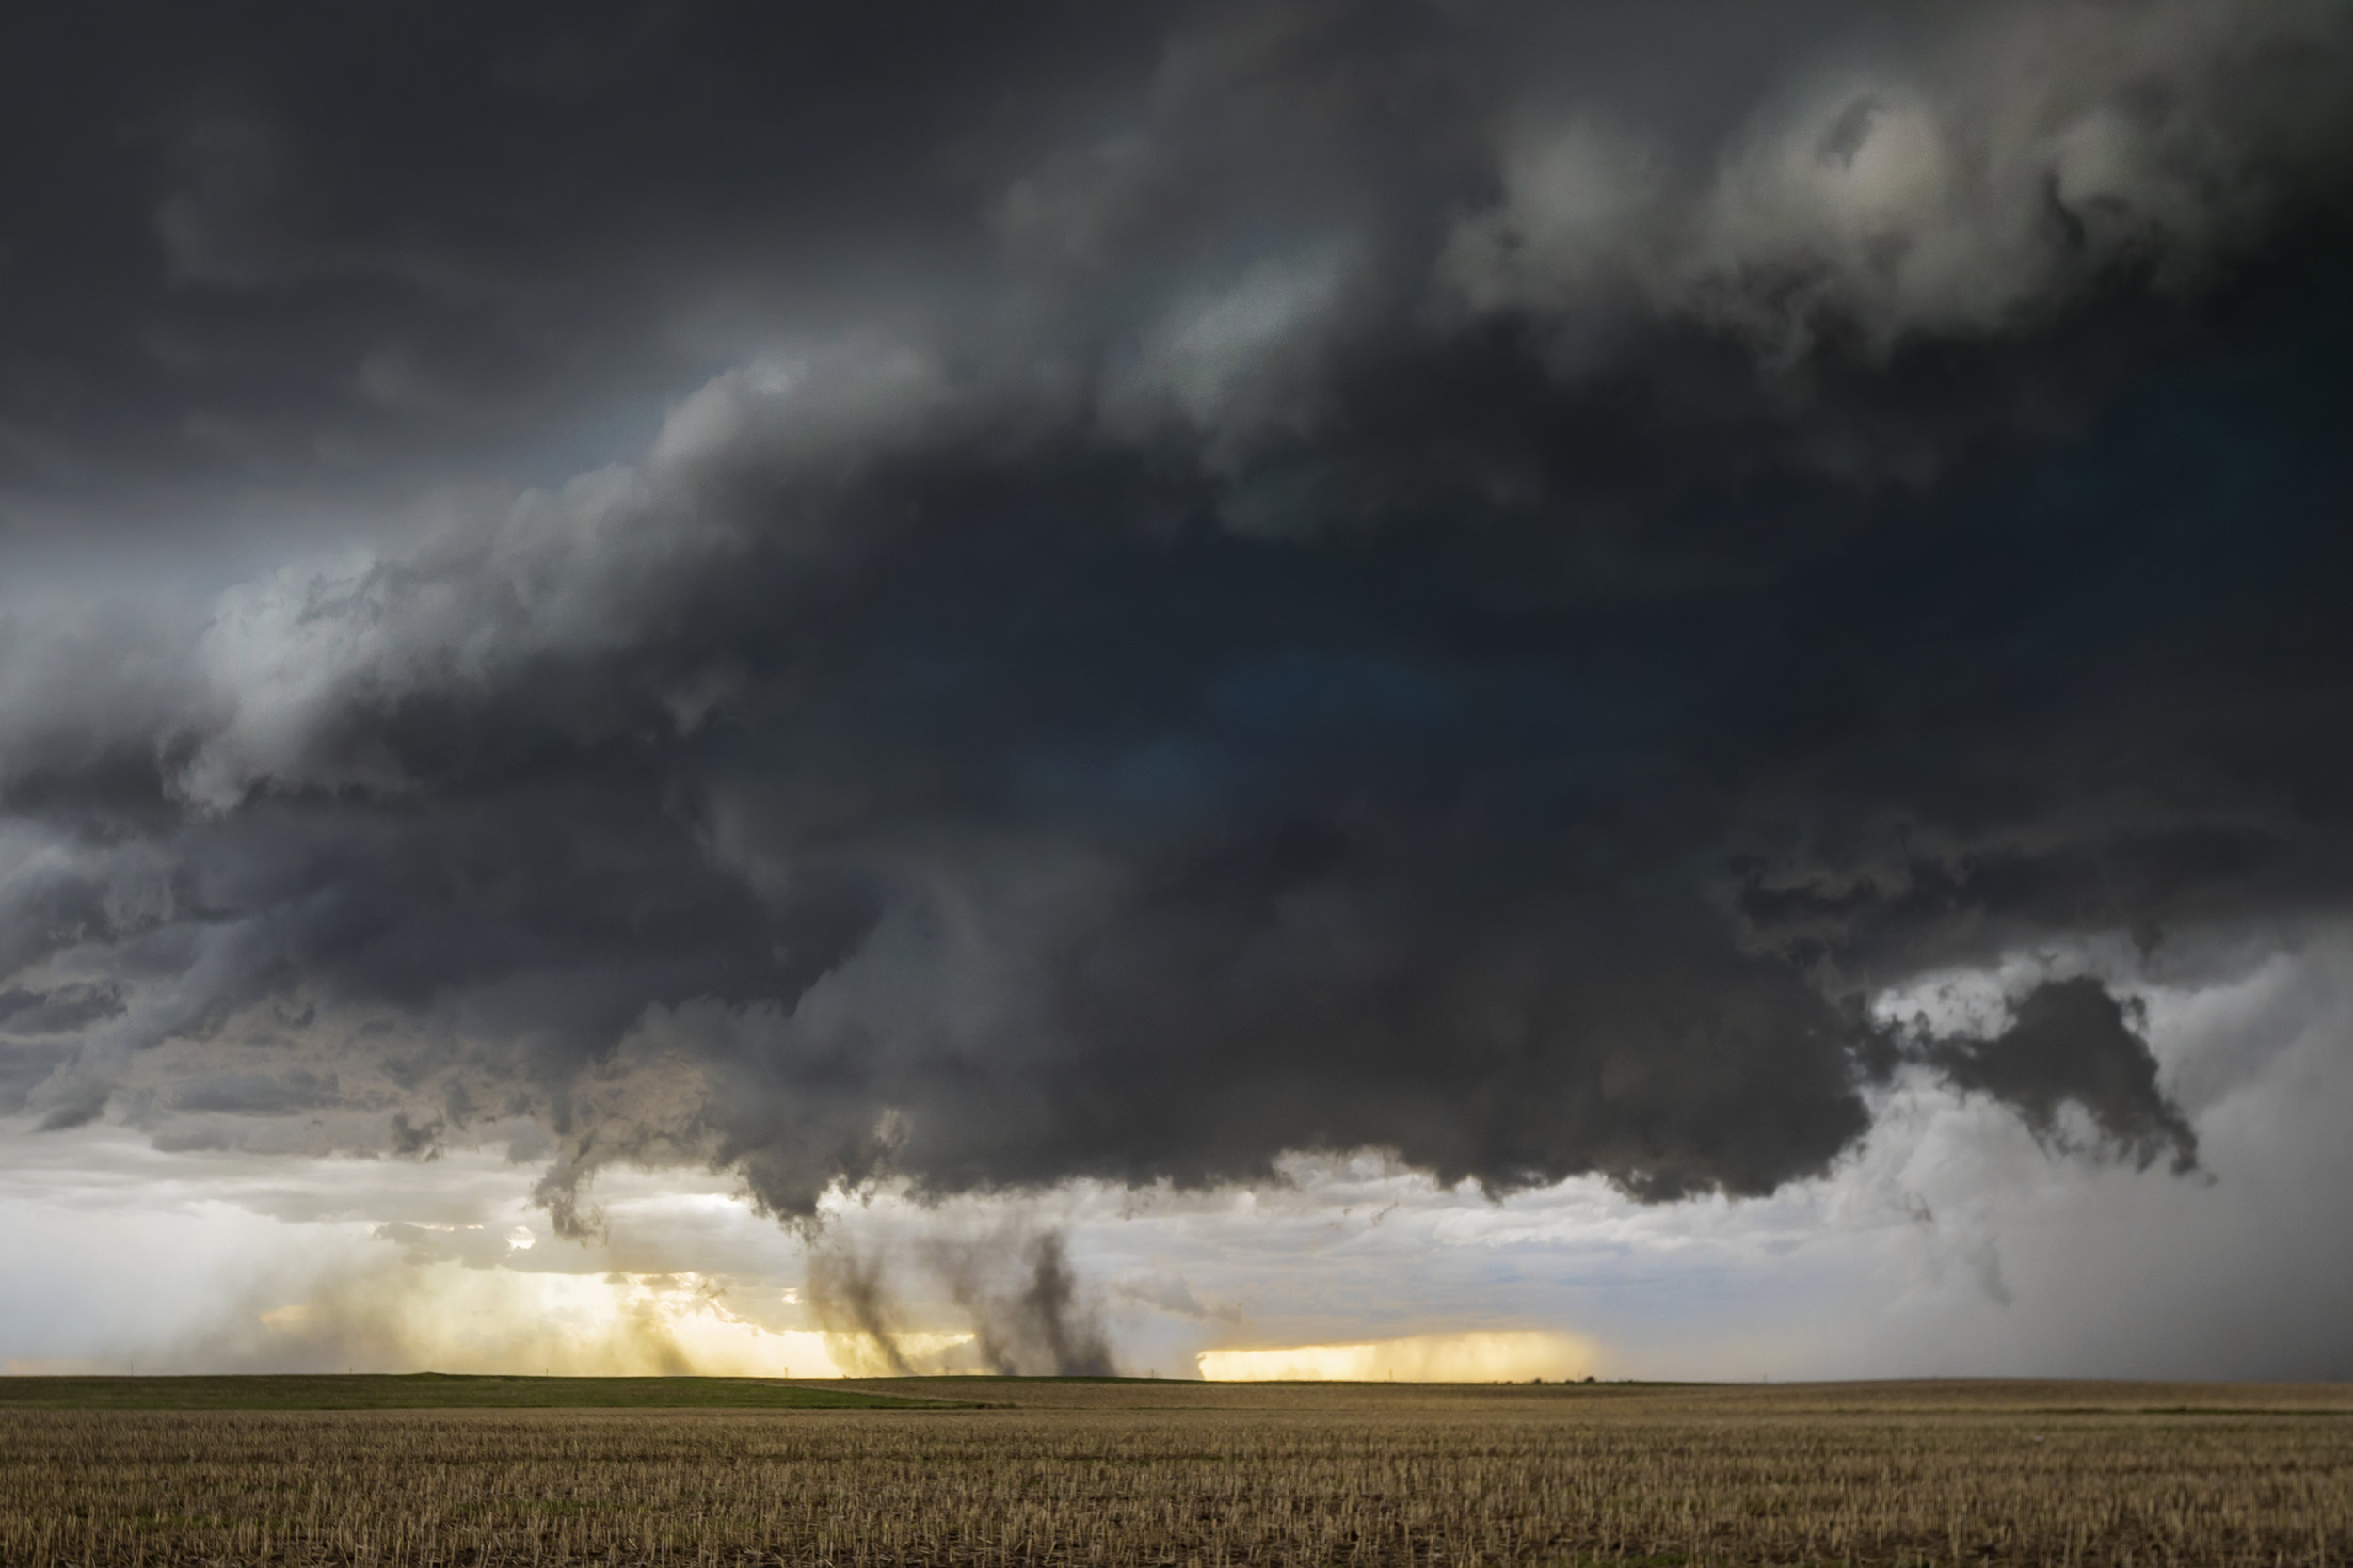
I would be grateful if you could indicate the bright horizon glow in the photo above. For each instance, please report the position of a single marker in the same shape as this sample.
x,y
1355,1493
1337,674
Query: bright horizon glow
x,y
445,1318
1502,1357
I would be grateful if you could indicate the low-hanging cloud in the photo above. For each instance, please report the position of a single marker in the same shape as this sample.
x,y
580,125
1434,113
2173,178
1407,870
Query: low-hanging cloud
x,y
2069,1041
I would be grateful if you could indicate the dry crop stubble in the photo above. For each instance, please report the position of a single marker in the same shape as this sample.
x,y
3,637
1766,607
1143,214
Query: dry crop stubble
x,y
1152,1474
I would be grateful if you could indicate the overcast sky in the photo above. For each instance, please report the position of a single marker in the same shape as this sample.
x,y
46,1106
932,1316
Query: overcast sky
x,y
1085,683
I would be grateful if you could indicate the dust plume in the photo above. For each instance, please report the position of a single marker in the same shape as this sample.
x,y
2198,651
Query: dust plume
x,y
1029,1313
847,1292
1030,1319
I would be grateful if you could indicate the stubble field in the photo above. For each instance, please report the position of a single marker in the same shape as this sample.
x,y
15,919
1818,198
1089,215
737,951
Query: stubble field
x,y
1160,1473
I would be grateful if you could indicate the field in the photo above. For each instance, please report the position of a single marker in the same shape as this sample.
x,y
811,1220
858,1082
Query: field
x,y
1151,1474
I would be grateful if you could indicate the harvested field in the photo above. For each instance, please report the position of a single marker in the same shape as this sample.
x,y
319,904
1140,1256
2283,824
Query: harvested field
x,y
1163,1473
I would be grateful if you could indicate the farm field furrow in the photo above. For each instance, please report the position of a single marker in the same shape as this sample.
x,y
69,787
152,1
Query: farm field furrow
x,y
1163,1473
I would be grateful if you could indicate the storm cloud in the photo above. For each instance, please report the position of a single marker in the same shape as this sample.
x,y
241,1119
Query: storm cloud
x,y
986,596
2070,1041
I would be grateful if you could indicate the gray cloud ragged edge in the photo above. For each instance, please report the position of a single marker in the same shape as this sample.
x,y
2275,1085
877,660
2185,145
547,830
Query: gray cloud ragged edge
x,y
1306,695
2070,1041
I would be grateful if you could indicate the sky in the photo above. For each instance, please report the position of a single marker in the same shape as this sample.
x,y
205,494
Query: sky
x,y
1426,689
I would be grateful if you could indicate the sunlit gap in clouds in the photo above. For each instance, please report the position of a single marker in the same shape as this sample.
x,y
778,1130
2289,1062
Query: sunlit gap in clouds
x,y
460,1319
1502,1357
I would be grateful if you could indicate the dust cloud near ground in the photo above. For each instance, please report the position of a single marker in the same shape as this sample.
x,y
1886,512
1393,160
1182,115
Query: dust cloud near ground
x,y
1027,1310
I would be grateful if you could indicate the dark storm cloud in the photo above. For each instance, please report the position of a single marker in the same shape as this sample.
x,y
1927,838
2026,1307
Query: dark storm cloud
x,y
1467,580
63,1010
255,1094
